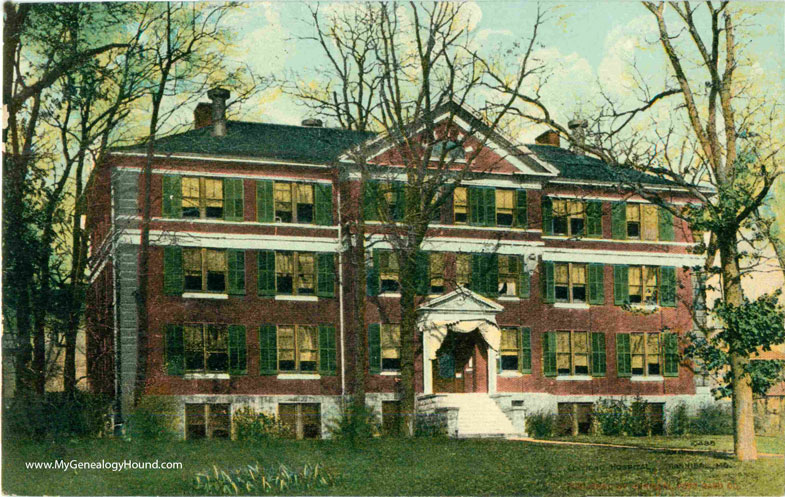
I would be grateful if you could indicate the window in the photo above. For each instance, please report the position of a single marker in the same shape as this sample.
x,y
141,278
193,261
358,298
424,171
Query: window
x,y
298,348
289,264
570,282
642,222
202,198
294,202
303,420
645,354
207,421
643,284
391,347
295,273
460,205
505,207
436,272
510,349
306,273
388,271
568,217
574,418
509,272
463,269
572,353
206,348
204,270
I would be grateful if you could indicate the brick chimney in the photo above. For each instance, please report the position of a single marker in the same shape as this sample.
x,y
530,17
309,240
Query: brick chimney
x,y
578,130
203,115
550,137
219,96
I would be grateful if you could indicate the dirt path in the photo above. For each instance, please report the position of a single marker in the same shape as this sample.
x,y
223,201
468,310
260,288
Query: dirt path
x,y
619,446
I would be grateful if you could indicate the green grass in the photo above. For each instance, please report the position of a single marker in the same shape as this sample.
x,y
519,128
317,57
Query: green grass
x,y
768,445
388,467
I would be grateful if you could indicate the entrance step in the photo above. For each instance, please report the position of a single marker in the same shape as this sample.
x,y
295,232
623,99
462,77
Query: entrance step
x,y
479,416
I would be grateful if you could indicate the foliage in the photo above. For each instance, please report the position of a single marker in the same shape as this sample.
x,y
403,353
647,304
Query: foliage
x,y
258,426
56,415
678,420
712,419
541,424
611,415
154,418
356,422
430,425
752,326
637,423
254,479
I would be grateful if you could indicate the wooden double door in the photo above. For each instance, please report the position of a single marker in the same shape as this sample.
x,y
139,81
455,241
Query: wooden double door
x,y
461,364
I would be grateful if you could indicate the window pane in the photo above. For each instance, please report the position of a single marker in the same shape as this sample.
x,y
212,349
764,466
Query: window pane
x,y
560,208
192,269
562,274
216,270
460,205
634,279
633,212
190,192
304,198
653,353
284,272
578,274
283,201
436,263
391,340
305,273
217,349
214,198
463,269
505,200
649,223
308,347
194,347
650,284
286,348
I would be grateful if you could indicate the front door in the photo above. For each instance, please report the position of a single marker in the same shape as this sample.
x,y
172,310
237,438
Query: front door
x,y
457,362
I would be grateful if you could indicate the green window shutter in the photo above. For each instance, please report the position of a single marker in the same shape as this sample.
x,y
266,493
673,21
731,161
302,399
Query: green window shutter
x,y
526,350
375,348
594,218
325,275
236,271
233,199
548,283
476,213
619,220
623,358
549,353
598,358
237,349
671,352
398,211
665,224
547,216
596,284
327,359
175,352
172,204
621,289
490,271
422,280
323,204
265,207
475,278
265,262
489,206
371,201
668,286
521,209
524,280
173,270
372,282
268,349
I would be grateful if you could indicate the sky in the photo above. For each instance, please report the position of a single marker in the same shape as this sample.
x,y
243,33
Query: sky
x,y
589,44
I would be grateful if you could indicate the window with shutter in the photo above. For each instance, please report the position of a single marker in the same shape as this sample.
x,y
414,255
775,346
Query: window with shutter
x,y
172,201
619,220
175,358
598,358
374,348
327,352
268,349
173,270
623,359
233,199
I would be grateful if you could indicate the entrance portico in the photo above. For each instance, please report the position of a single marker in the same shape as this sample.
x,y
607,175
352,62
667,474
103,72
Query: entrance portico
x,y
459,333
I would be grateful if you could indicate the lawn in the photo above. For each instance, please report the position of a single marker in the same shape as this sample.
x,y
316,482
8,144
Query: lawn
x,y
396,467
768,445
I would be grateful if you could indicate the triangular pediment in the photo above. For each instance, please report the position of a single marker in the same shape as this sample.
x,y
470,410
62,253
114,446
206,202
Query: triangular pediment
x,y
461,301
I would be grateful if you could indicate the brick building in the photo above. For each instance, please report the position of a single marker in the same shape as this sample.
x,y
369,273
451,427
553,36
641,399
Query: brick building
x,y
544,285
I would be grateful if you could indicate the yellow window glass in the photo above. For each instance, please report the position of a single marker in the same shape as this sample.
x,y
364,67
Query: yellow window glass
x,y
286,344
562,274
190,192
305,273
580,349
504,200
307,344
633,212
283,197
214,192
304,193
509,340
560,207
216,260
635,285
636,348
436,263
650,283
284,262
578,274
563,362
192,261
391,341
649,223
575,208
463,269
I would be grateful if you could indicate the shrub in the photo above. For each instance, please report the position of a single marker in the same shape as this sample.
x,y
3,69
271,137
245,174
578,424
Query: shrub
x,y
611,416
356,422
253,479
638,423
154,418
252,425
56,414
712,419
678,420
432,424
541,424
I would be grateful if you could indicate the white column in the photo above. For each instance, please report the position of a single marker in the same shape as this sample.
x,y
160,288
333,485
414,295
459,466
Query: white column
x,y
427,370
491,370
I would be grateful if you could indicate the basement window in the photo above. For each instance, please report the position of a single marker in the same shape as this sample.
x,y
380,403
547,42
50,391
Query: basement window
x,y
302,419
207,421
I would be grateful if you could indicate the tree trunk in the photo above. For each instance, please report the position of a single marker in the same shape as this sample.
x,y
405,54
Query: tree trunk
x,y
408,341
744,445
360,362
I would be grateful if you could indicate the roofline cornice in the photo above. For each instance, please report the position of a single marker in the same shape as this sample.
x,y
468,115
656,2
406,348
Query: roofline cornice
x,y
223,158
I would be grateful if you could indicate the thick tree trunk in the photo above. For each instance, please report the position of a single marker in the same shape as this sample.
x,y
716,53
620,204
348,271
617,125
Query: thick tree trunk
x,y
408,341
744,445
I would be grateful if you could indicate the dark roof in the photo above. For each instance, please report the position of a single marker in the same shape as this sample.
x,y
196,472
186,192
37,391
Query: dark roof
x,y
270,141
583,167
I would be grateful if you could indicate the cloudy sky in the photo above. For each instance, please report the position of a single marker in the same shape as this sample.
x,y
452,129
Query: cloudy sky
x,y
588,44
